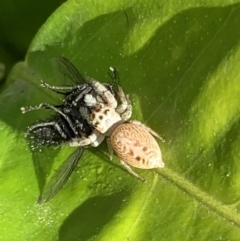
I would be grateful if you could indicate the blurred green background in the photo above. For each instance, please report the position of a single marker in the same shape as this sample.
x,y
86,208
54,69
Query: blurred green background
x,y
19,22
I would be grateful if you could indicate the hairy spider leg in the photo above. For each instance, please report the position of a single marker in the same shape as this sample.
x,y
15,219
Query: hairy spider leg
x,y
110,149
130,170
94,139
125,108
113,75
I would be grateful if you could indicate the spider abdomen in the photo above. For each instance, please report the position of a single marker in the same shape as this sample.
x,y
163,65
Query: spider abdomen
x,y
136,146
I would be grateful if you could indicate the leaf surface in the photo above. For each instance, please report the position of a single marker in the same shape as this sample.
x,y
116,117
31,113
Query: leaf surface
x,y
180,64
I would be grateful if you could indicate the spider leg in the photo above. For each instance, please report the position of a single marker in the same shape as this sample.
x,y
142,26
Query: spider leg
x,y
125,108
113,75
48,106
110,149
124,101
130,170
94,139
147,129
99,140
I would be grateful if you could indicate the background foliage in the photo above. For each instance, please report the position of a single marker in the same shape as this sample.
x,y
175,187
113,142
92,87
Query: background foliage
x,y
180,63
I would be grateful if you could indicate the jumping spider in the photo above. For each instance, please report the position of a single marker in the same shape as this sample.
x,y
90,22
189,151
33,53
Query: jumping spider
x,y
133,142
90,112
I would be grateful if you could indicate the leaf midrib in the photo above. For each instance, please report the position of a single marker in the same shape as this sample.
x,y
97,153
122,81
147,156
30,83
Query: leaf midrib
x,y
222,210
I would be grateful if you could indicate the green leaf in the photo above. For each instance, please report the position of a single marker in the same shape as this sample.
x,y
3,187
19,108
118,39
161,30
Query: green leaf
x,y
179,61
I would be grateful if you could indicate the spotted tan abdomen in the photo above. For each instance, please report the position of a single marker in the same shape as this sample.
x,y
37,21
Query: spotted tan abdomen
x,y
136,146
